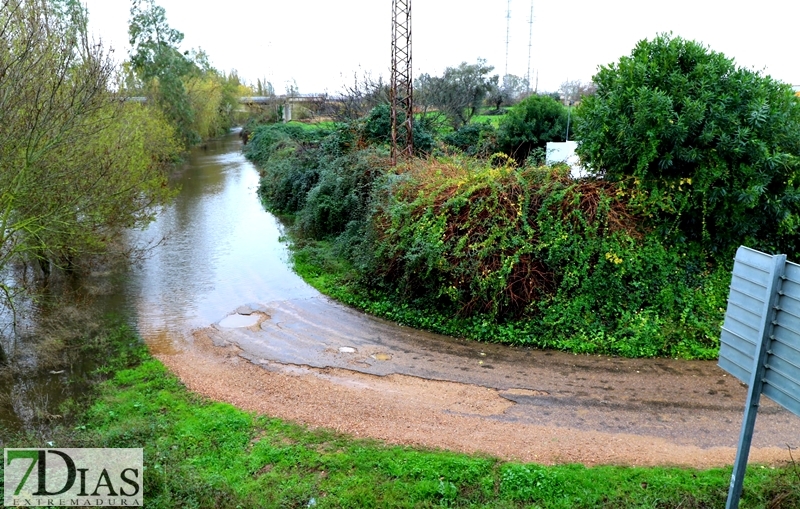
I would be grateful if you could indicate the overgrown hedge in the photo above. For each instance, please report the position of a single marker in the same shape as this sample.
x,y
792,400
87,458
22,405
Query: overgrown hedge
x,y
531,245
497,252
710,150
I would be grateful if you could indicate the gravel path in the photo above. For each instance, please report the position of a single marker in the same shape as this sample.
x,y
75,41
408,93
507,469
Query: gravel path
x,y
409,387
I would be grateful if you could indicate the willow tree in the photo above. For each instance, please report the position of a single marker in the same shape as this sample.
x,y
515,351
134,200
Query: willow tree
x,y
77,164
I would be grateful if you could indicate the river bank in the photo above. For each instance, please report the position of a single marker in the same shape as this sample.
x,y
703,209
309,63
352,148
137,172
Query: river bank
x,y
202,453
210,422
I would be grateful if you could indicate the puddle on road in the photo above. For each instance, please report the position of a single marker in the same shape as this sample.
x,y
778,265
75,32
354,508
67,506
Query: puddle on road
x,y
238,321
347,349
380,356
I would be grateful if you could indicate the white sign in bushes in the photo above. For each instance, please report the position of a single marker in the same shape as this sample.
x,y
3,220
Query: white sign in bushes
x,y
564,152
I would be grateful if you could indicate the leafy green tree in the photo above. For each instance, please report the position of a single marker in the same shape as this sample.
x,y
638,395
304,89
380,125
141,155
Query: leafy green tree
x,y
77,165
196,98
459,92
157,60
709,149
530,125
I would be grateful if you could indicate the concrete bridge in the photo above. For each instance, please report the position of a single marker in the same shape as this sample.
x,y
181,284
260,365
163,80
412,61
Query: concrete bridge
x,y
286,101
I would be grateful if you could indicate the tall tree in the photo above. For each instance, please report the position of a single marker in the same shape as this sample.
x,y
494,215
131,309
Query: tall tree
x,y
510,90
708,149
157,60
458,92
196,98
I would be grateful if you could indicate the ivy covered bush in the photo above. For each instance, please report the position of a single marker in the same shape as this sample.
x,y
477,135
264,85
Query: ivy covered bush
x,y
568,259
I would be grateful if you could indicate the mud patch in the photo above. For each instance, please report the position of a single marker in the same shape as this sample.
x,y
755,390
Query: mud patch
x,y
525,392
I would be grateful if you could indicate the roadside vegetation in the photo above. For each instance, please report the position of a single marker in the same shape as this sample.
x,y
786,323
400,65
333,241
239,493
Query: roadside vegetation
x,y
476,237
200,453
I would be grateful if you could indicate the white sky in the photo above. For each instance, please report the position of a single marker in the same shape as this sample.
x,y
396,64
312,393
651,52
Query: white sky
x,y
320,43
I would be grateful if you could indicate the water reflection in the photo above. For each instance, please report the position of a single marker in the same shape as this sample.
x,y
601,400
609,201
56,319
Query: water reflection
x,y
221,250
213,249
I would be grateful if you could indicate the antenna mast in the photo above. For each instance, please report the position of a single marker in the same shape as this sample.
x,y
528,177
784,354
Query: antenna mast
x,y
530,44
508,33
401,93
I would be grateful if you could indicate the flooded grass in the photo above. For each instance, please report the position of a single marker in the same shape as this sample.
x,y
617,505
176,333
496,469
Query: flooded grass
x,y
200,453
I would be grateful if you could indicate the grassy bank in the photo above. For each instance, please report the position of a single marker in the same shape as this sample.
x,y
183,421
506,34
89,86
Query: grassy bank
x,y
200,453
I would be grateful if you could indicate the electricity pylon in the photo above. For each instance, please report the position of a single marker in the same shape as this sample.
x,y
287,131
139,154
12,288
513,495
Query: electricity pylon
x,y
401,94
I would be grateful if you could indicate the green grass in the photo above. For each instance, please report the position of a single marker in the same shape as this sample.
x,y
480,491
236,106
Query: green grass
x,y
314,126
492,119
200,453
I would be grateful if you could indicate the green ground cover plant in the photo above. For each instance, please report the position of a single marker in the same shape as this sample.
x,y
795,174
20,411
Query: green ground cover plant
x,y
200,453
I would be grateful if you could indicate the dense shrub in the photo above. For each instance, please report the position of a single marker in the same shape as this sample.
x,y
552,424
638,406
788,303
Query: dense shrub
x,y
287,153
316,174
530,125
709,150
475,139
515,254
376,128
341,196
266,140
566,258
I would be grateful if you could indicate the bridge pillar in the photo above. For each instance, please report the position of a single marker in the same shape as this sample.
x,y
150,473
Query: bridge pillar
x,y
287,111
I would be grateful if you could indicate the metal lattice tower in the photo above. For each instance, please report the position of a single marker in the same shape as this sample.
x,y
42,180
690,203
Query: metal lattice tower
x,y
530,45
401,94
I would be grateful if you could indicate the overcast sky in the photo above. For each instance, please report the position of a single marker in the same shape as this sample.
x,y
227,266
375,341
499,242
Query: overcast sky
x,y
321,43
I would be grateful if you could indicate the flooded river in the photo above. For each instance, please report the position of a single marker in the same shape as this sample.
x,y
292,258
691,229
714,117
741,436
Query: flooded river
x,y
220,249
215,252
212,249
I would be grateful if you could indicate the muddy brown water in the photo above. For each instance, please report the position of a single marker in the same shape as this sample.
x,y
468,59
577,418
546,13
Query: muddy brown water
x,y
219,281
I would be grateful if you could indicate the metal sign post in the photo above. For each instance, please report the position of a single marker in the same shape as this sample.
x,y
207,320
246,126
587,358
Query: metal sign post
x,y
760,342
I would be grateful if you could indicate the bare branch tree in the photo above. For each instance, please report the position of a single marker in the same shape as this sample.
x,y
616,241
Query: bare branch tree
x,y
358,98
571,92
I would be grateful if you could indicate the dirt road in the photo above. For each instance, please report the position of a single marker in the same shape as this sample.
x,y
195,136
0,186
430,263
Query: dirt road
x,y
318,363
